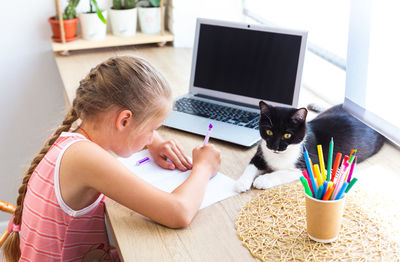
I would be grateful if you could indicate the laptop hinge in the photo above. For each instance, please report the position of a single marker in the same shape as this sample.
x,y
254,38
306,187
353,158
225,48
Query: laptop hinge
x,y
227,101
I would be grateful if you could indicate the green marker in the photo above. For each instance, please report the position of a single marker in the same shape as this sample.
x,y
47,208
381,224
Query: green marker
x,y
351,159
306,187
352,182
330,156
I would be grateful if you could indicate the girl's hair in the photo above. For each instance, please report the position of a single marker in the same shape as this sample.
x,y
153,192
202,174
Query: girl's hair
x,y
125,81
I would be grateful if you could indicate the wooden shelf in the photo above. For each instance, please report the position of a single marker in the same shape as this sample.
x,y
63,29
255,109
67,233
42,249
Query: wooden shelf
x,y
111,40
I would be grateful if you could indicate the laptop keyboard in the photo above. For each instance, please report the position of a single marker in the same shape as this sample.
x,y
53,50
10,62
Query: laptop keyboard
x,y
217,112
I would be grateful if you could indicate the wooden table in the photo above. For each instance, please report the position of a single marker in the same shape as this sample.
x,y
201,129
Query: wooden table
x,y
211,236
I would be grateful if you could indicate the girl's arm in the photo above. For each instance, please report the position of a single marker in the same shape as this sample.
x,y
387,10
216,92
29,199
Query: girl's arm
x,y
87,168
162,150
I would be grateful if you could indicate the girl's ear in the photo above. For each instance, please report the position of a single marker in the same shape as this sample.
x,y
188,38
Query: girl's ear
x,y
124,119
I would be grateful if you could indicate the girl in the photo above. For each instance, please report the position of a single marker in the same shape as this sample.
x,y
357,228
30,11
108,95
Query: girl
x,y
60,207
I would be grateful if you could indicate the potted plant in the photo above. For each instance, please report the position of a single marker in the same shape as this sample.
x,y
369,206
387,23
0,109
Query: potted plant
x,y
123,17
93,23
150,16
69,22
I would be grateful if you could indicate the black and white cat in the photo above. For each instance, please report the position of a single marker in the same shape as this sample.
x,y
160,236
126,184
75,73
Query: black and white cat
x,y
279,156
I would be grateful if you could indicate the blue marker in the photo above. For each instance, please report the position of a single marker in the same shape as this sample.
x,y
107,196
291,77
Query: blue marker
x,y
324,190
320,189
339,195
309,168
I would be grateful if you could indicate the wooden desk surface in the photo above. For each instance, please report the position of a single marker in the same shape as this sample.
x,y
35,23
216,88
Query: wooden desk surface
x,y
211,236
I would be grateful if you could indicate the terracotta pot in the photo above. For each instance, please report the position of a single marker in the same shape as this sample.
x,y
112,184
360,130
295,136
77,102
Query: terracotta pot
x,y
69,29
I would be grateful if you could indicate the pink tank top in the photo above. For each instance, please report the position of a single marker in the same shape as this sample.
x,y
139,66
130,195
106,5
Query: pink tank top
x,y
50,229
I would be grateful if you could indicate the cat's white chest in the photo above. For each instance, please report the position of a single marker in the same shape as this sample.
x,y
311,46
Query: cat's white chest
x,y
284,160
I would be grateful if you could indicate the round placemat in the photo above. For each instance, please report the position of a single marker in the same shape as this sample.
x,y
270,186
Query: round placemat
x,y
272,226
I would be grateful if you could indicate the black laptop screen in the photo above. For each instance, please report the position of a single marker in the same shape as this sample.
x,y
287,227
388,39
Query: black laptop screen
x,y
250,63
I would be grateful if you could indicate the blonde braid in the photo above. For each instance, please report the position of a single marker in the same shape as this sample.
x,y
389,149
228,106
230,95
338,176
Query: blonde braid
x,y
11,248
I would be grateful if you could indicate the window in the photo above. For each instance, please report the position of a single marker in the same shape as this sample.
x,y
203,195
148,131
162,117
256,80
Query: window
x,y
373,86
327,26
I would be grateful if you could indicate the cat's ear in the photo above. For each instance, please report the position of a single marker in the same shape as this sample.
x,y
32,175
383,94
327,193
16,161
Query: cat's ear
x,y
299,116
264,108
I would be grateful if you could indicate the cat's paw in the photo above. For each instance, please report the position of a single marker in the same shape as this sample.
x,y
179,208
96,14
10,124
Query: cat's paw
x,y
246,179
276,178
242,185
264,182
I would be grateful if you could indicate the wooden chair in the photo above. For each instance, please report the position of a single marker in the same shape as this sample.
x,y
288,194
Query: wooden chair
x,y
9,208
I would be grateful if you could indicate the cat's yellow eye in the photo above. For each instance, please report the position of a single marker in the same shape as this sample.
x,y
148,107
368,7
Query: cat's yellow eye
x,y
269,132
287,135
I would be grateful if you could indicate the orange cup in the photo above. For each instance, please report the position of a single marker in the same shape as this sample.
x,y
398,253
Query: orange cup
x,y
324,218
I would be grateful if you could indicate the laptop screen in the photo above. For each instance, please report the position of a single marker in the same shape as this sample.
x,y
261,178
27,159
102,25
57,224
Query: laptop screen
x,y
248,62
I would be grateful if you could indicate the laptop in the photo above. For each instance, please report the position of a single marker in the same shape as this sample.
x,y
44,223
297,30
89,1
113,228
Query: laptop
x,y
234,66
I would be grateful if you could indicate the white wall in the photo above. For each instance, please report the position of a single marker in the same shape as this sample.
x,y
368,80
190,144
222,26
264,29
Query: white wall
x,y
183,13
31,98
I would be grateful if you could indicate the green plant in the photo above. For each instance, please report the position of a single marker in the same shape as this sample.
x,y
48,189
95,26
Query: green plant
x,y
70,10
99,14
155,3
149,3
128,4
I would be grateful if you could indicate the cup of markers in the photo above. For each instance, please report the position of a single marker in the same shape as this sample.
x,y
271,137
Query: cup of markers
x,y
325,191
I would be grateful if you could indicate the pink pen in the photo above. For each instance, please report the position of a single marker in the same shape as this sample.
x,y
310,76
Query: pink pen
x,y
207,135
351,169
340,180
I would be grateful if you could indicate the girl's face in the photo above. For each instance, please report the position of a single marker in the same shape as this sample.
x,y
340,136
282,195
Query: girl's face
x,y
133,141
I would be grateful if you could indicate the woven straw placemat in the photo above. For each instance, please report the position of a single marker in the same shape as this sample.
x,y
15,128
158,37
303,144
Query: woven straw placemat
x,y
272,226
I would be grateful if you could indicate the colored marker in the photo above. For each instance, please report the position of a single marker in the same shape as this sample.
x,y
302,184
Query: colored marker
x,y
351,159
307,177
345,159
353,151
305,174
306,187
328,171
142,161
331,196
309,169
340,180
328,192
341,191
205,142
336,165
320,189
352,182
318,175
325,187
351,170
321,162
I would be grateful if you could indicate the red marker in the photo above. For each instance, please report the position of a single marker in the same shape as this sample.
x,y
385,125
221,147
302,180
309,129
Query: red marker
x,y
336,165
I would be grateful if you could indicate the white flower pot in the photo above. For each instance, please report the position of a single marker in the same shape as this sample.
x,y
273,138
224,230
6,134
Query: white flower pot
x,y
123,22
150,20
93,29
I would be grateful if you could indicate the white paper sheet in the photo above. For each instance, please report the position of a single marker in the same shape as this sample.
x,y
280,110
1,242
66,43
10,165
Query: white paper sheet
x,y
219,187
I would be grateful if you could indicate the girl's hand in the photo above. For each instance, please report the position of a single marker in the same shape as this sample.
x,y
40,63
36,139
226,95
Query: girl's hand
x,y
207,157
170,150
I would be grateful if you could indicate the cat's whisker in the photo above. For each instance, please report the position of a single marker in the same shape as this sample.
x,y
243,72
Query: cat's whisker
x,y
270,121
